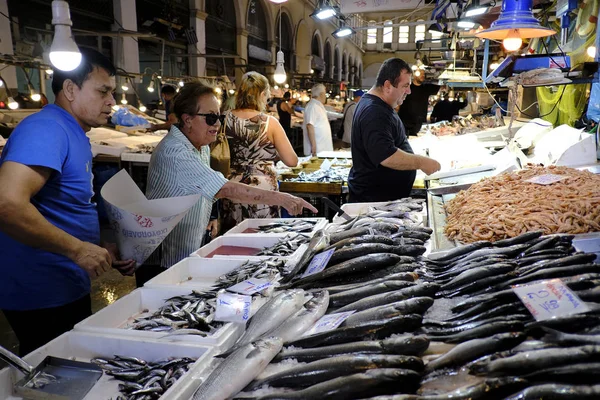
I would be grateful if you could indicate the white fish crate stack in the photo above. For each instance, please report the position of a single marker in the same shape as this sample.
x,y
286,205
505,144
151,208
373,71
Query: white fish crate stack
x,y
115,319
81,346
258,241
255,223
195,273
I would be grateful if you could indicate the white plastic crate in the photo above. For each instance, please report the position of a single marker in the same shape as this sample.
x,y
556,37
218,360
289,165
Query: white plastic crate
x,y
256,222
195,272
113,319
257,240
83,347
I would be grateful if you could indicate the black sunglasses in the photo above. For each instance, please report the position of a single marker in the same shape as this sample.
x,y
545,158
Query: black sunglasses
x,y
212,118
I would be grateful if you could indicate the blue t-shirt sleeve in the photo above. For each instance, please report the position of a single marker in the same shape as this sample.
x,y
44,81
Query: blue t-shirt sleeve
x,y
42,143
377,137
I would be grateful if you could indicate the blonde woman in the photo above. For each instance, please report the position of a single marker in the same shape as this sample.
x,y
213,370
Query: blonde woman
x,y
256,141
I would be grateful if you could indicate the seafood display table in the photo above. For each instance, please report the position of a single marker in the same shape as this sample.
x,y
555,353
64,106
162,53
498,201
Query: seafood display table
x,y
358,311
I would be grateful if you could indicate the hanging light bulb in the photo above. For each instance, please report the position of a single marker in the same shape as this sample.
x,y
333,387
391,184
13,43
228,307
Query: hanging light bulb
x,y
151,86
279,76
286,86
218,90
64,53
181,83
1,82
125,86
123,99
35,96
49,71
142,108
312,71
513,41
591,51
231,91
275,87
115,107
12,104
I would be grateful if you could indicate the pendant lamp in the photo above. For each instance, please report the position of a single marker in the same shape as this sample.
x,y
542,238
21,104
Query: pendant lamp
x,y
516,22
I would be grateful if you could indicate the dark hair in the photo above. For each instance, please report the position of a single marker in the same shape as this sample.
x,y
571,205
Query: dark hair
x,y
390,70
168,89
287,95
186,101
90,60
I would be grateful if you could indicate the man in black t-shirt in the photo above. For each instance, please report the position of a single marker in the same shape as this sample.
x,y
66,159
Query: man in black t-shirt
x,y
413,111
383,162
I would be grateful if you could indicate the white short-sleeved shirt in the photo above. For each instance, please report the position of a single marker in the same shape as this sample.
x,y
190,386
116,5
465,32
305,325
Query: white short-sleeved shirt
x,y
177,168
316,115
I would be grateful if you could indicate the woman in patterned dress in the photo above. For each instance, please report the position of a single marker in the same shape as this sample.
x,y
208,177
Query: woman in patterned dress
x,y
256,142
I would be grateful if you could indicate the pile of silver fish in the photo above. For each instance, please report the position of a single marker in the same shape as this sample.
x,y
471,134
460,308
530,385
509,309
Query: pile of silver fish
x,y
400,212
447,326
191,314
298,226
333,174
270,269
286,246
144,380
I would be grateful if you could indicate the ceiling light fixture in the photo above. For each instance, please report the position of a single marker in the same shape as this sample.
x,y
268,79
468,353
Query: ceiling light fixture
x,y
516,22
278,1
142,107
344,30
279,76
475,9
324,10
64,53
123,99
151,86
465,24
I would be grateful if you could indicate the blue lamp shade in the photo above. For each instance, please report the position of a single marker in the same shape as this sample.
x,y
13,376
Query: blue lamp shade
x,y
516,15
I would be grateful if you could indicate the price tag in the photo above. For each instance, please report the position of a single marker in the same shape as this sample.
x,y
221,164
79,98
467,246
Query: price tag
x,y
546,179
233,307
318,263
251,286
328,322
326,165
550,299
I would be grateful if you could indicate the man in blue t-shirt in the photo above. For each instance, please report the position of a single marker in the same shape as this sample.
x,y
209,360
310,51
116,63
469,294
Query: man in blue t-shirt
x,y
383,163
49,231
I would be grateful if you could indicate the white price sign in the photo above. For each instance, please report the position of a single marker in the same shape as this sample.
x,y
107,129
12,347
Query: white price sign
x,y
546,179
251,286
233,307
550,299
318,263
328,322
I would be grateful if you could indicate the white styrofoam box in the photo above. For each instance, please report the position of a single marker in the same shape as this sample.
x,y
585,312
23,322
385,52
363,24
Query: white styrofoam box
x,y
256,222
195,272
112,320
109,150
136,157
257,240
81,346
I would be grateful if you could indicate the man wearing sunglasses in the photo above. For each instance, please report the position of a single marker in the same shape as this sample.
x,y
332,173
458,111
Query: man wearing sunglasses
x,y
180,166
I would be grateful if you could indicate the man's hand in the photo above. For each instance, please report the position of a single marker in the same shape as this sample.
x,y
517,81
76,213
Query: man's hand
x,y
294,205
95,260
213,227
429,165
152,128
125,267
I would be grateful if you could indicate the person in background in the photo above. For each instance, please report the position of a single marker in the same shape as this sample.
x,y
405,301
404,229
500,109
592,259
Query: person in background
x,y
348,115
49,230
285,112
413,111
316,127
383,162
180,166
256,141
167,92
445,109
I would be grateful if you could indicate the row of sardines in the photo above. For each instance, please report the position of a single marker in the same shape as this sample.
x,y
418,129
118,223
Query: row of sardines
x,y
379,321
